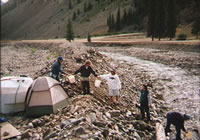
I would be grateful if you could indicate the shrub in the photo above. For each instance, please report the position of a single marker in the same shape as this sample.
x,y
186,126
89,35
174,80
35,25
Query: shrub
x,y
182,36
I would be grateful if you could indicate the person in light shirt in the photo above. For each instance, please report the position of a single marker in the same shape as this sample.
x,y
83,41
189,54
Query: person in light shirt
x,y
114,85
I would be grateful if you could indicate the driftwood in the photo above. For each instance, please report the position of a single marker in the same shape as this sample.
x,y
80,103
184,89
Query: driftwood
x,y
160,133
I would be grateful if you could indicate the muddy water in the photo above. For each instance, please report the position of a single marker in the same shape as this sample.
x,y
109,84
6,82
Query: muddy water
x,y
180,89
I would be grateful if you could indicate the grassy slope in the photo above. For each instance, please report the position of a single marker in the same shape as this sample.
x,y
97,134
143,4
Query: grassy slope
x,y
44,19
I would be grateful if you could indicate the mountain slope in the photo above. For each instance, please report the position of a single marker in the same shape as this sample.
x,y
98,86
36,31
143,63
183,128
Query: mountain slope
x,y
43,19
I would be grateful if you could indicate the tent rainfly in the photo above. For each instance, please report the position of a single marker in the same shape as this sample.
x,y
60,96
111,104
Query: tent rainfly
x,y
13,92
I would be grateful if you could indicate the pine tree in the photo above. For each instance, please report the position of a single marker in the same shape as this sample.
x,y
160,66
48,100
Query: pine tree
x,y
171,19
74,16
152,19
90,6
129,16
85,7
69,33
124,21
160,20
112,23
196,27
118,20
78,12
89,38
109,21
70,4
78,1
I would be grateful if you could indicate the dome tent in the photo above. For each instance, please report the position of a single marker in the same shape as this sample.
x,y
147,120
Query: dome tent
x,y
44,97
13,92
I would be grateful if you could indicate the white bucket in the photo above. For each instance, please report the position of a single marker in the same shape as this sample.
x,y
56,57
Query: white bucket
x,y
71,79
97,83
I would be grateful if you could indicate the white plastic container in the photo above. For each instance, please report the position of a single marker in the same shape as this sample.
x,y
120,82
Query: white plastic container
x,y
13,93
71,79
97,83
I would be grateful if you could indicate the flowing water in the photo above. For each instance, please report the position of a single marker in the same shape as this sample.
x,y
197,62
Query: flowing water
x,y
181,89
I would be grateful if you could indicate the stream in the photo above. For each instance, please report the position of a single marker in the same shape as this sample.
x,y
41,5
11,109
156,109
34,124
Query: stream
x,y
181,89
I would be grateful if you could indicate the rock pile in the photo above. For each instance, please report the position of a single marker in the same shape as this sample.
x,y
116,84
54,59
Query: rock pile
x,y
92,116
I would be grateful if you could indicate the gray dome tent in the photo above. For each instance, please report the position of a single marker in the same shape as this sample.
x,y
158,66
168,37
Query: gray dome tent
x,y
44,97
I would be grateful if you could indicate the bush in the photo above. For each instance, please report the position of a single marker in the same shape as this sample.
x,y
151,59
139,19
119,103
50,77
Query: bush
x,y
182,36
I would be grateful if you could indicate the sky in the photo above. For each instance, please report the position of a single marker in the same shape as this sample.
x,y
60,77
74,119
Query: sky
x,y
4,1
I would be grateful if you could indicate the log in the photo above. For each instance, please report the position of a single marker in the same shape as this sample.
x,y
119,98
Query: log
x,y
160,133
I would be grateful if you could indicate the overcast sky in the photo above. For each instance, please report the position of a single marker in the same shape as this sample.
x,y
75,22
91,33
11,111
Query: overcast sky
x,y
4,1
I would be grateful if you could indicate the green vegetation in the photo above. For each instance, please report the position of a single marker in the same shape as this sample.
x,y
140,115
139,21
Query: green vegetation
x,y
182,36
70,32
89,37
33,50
171,19
196,27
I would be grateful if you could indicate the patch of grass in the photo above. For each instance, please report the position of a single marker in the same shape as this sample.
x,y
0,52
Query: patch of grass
x,y
33,50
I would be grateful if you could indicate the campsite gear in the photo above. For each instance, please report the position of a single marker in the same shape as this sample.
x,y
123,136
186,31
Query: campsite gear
x,y
13,93
45,96
3,119
97,83
8,131
71,79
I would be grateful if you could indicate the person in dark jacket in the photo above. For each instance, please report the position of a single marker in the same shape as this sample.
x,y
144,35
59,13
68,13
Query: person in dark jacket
x,y
177,119
56,69
85,72
145,102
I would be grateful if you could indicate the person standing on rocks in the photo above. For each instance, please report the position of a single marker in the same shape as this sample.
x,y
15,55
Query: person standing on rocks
x,y
85,72
177,119
56,69
114,85
145,102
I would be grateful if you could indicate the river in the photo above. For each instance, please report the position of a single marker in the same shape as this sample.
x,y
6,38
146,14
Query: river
x,y
180,88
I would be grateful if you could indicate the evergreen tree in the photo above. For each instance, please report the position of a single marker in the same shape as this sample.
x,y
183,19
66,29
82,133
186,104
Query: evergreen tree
x,y
89,38
160,20
112,23
78,11
90,6
171,19
69,33
124,21
118,20
70,4
109,22
130,16
85,7
152,19
196,26
74,16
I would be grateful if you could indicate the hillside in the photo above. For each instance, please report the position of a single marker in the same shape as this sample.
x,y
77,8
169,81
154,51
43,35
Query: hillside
x,y
44,19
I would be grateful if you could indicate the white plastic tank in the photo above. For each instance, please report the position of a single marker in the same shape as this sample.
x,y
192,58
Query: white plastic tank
x,y
13,92
71,79
97,83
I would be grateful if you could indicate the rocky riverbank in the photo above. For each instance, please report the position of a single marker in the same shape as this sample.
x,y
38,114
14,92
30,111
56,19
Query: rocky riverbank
x,y
88,116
